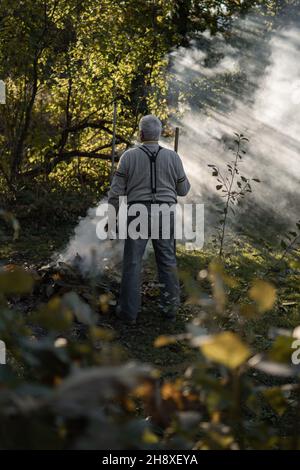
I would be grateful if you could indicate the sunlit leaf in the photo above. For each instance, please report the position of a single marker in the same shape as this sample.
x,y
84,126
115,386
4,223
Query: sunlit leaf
x,y
264,294
149,437
103,334
162,341
226,348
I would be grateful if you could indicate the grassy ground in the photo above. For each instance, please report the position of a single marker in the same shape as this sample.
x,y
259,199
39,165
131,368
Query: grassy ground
x,y
38,242
244,261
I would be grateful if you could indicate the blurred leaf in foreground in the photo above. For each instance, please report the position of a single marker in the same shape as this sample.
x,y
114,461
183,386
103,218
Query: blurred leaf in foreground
x,y
281,350
15,280
276,399
226,348
162,341
264,294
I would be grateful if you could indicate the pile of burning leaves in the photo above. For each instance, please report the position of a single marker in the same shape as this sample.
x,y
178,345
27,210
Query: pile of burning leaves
x,y
88,298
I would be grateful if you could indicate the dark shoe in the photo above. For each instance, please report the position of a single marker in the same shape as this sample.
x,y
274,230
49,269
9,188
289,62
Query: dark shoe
x,y
124,318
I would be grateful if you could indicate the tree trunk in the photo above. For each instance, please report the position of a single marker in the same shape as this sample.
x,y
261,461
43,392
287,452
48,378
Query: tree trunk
x,y
18,149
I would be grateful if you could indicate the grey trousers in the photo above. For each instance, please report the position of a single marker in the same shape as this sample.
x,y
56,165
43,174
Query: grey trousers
x,y
130,293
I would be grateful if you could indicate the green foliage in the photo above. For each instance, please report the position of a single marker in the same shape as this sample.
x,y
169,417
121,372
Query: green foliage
x,y
65,62
74,59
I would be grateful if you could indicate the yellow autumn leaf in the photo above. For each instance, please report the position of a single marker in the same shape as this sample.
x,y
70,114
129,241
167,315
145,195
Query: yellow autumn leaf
x,y
226,348
163,340
264,294
103,334
149,437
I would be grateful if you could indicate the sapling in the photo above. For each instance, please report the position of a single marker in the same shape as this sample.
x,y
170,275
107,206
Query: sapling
x,y
233,185
290,242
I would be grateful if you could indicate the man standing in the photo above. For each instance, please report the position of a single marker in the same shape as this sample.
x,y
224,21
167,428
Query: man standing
x,y
149,174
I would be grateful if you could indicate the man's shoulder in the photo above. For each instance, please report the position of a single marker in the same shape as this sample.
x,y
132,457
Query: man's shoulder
x,y
171,153
130,152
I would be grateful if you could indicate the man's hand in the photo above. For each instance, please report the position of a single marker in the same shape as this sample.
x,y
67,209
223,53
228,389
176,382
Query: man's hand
x,y
111,235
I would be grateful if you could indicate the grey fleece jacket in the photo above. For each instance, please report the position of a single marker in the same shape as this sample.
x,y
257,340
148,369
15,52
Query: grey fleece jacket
x,y
133,176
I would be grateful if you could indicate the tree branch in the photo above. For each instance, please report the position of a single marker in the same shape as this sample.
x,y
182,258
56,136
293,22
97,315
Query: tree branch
x,y
102,125
64,157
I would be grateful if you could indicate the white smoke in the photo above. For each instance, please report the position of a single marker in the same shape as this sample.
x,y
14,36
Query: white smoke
x,y
264,105
87,252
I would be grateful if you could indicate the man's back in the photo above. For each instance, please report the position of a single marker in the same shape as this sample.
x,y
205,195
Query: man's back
x,y
138,179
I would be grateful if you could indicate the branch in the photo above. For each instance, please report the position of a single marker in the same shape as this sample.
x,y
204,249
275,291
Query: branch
x,y
64,157
102,124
